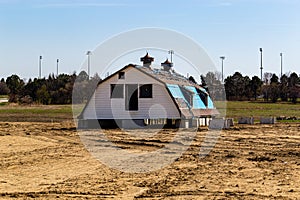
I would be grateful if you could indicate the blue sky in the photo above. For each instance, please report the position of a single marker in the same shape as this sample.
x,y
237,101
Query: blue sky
x,y
66,29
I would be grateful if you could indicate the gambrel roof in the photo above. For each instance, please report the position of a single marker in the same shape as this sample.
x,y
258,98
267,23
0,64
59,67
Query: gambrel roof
x,y
176,84
184,93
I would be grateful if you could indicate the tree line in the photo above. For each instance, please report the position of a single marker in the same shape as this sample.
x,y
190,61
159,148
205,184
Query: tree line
x,y
238,87
51,90
67,89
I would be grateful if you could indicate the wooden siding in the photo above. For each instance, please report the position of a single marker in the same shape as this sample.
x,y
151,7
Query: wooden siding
x,y
101,106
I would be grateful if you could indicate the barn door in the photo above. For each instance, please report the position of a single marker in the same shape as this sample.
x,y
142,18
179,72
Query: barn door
x,y
131,97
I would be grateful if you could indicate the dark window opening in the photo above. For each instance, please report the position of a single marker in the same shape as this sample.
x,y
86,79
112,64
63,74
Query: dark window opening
x,y
116,91
146,91
121,75
203,97
131,97
188,95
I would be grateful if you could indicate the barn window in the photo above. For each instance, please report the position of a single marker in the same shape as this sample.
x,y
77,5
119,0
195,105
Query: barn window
x,y
131,97
116,91
121,75
146,91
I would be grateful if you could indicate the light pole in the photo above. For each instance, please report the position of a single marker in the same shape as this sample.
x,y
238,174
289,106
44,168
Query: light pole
x,y
40,66
57,61
171,52
88,53
222,59
261,62
281,64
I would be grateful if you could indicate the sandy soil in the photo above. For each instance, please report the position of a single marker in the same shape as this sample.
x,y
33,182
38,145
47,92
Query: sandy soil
x,y
49,161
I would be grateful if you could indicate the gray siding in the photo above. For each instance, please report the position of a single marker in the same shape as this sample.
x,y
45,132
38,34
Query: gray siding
x,y
101,106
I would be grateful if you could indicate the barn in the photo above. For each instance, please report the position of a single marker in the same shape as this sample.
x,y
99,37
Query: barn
x,y
139,96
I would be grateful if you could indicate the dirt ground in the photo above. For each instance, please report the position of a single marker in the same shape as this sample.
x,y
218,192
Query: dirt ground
x,y
49,161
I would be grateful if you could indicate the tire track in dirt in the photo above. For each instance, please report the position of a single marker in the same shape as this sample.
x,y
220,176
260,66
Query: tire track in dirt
x,y
248,162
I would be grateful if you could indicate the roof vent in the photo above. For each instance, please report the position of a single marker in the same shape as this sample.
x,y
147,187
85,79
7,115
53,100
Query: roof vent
x,y
147,60
167,65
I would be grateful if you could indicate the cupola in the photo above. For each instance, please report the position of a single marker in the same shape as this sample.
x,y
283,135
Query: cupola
x,y
147,60
167,65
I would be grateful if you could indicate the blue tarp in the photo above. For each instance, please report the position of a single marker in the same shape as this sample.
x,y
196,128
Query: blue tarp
x,y
177,93
210,104
197,102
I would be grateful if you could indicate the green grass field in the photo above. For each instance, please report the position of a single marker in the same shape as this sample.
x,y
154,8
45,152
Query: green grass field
x,y
235,109
37,113
57,113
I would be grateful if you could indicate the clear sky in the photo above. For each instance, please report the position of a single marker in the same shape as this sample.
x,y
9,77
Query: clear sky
x,y
66,29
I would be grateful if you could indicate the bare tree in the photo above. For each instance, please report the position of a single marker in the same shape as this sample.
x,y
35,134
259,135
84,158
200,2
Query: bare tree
x,y
218,75
267,77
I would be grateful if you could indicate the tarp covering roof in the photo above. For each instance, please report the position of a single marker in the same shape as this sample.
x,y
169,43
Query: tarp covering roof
x,y
175,83
177,94
197,102
197,109
210,104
